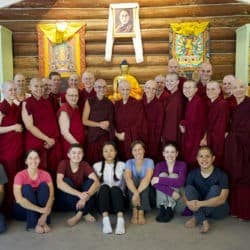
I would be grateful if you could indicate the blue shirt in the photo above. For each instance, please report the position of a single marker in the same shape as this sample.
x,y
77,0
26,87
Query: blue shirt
x,y
147,164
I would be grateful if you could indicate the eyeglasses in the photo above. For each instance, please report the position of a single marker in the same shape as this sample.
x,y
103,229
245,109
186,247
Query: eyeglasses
x,y
101,87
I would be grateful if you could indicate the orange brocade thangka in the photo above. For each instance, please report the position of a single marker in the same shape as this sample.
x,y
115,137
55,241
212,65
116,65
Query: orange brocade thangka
x,y
61,50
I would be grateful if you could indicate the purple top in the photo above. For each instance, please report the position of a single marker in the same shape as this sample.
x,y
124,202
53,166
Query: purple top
x,y
166,184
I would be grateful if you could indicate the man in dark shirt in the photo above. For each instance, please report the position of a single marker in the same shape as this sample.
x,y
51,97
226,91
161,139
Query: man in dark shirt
x,y
77,184
206,191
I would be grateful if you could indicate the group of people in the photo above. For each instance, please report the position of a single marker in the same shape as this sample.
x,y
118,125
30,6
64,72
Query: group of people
x,y
199,128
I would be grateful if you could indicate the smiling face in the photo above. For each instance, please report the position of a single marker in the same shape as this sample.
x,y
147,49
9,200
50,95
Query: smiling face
x,y
205,158
172,82
32,160
56,83
227,84
170,154
109,153
47,84
239,89
213,90
124,90
150,89
100,88
72,96
75,154
189,89
161,83
138,151
9,91
36,87
88,79
73,81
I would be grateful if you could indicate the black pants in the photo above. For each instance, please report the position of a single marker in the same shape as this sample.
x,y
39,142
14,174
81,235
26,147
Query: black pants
x,y
110,199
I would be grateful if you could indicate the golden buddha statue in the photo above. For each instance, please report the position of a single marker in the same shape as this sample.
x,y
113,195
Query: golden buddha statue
x,y
136,90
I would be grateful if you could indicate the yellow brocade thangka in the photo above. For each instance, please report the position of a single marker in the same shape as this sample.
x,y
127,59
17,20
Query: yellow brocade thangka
x,y
189,28
136,91
57,34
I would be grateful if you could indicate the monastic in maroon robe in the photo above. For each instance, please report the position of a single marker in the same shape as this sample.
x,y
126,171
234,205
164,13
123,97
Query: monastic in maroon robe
x,y
201,90
130,119
174,112
195,126
76,127
231,102
45,120
237,160
181,82
11,145
83,96
154,114
55,101
217,124
162,98
100,110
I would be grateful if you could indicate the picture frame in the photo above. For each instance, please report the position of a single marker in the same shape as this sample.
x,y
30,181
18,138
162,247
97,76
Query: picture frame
x,y
124,18
65,58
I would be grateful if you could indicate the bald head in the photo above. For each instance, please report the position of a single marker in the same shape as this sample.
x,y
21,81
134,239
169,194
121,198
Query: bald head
x,y
73,81
150,89
189,89
36,87
72,96
205,72
173,66
20,82
9,90
88,79
124,89
47,85
213,90
239,90
227,85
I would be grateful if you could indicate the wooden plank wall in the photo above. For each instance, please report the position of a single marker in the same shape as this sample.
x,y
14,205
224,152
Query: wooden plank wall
x,y
155,17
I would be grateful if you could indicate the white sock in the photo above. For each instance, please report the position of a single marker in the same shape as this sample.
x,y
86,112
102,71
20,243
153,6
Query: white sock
x,y
120,226
107,229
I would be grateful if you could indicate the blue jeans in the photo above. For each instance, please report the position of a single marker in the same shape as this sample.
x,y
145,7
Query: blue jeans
x,y
3,225
207,212
67,202
38,197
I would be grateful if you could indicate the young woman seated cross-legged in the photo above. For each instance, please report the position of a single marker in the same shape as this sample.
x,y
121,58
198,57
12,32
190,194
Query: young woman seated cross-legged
x,y
138,174
110,195
34,194
77,184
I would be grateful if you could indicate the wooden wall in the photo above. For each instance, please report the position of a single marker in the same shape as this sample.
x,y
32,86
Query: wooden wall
x,y
155,17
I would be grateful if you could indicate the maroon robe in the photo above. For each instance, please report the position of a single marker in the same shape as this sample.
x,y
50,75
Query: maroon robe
x,y
181,82
76,127
55,101
237,160
100,110
83,96
217,124
154,114
174,111
231,102
130,118
201,90
45,120
195,126
11,145
162,98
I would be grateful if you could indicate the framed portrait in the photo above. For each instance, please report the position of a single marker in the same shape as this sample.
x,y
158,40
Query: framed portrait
x,y
65,57
124,18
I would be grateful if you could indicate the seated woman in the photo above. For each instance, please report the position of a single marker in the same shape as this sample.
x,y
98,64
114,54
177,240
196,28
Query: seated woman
x,y
34,194
206,191
138,173
77,184
110,195
169,176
